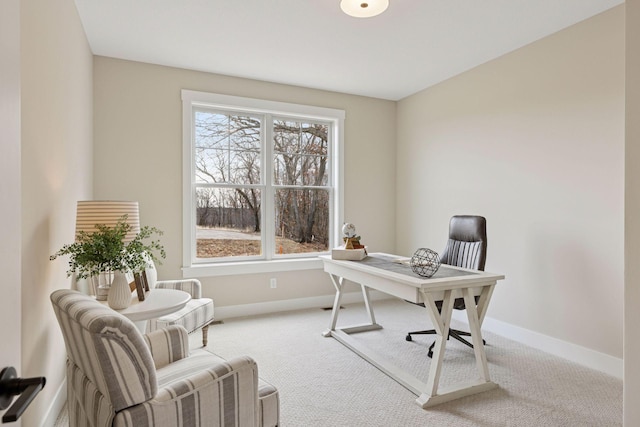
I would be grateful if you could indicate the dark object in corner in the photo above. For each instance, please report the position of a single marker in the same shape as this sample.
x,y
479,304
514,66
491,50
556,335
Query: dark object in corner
x,y
10,386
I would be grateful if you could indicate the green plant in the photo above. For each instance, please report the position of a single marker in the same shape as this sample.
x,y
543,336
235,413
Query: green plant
x,y
105,250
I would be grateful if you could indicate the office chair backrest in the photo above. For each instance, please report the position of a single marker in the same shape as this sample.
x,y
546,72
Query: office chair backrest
x,y
467,245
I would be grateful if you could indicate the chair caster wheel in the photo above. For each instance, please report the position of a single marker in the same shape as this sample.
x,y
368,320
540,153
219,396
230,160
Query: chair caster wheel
x,y
408,338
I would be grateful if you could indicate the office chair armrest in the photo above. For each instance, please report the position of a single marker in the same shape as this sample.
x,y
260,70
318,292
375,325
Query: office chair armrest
x,y
167,345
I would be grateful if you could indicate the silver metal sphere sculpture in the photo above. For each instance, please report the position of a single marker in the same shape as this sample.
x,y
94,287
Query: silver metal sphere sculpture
x,y
425,262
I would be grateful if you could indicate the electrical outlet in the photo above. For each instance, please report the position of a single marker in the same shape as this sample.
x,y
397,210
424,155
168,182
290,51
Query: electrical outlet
x,y
273,283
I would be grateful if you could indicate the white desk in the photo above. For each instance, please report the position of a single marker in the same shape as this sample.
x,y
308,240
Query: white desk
x,y
157,303
378,272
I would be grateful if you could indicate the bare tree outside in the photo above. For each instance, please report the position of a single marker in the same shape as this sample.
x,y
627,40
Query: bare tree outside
x,y
229,188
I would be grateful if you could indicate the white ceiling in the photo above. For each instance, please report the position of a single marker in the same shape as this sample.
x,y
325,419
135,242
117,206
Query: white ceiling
x,y
312,43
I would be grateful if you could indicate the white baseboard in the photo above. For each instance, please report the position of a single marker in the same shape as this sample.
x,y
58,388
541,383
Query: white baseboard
x,y
586,357
56,406
590,358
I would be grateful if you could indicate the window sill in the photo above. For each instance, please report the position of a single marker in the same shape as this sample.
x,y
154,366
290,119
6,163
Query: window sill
x,y
250,267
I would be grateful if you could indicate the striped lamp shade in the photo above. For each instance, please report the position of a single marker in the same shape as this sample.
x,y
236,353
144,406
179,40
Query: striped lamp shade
x,y
107,212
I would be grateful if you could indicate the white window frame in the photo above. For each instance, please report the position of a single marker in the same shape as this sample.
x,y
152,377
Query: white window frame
x,y
194,99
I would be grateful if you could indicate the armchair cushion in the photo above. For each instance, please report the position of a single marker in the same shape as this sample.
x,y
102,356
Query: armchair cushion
x,y
167,345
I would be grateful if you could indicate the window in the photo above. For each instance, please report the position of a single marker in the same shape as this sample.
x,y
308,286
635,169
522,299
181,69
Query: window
x,y
262,183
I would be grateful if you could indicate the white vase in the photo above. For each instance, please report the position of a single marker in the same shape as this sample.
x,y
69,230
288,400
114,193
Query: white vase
x,y
119,293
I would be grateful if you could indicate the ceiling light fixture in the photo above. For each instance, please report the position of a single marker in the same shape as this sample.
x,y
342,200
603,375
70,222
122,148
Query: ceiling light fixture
x,y
364,8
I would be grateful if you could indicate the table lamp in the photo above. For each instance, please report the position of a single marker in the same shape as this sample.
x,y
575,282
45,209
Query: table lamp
x,y
107,212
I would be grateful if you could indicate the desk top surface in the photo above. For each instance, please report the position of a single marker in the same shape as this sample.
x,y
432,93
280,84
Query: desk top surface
x,y
396,268
401,265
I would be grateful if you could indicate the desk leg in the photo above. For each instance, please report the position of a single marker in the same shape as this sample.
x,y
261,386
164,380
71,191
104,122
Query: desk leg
x,y
475,315
441,322
338,283
483,302
367,303
430,396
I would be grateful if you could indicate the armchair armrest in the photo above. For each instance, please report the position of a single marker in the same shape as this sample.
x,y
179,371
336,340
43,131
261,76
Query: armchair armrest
x,y
167,345
192,286
224,393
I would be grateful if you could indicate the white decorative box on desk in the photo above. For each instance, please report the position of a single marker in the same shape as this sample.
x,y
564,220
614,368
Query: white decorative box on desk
x,y
348,254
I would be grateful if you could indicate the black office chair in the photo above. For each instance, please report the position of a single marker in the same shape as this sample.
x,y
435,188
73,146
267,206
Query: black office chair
x,y
467,248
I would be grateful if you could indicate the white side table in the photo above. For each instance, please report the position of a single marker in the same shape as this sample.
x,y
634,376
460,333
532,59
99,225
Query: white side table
x,y
157,303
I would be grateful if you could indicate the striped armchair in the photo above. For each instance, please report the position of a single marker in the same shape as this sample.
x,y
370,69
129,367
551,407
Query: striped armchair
x,y
197,314
118,377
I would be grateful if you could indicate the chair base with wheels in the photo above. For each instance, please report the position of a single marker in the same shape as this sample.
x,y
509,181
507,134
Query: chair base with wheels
x,y
455,333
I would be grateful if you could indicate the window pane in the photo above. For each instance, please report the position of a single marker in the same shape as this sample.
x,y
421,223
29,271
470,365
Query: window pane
x,y
300,153
227,148
302,221
228,222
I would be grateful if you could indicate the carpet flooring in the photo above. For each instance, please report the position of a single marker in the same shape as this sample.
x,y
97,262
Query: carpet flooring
x,y
322,383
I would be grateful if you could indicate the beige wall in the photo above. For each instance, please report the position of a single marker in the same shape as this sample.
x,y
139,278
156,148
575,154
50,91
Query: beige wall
x,y
632,225
57,131
138,146
534,141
